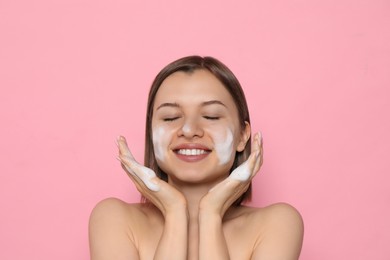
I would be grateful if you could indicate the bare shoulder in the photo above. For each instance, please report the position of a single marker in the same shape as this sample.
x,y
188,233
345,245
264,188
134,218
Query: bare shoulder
x,y
273,232
113,226
280,227
113,208
280,213
115,213
110,213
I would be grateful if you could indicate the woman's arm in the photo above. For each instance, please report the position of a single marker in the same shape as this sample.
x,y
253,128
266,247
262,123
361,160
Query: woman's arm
x,y
212,243
174,240
172,204
213,206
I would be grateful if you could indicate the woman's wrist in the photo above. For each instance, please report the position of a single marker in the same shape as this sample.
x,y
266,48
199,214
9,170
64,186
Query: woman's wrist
x,y
210,216
176,212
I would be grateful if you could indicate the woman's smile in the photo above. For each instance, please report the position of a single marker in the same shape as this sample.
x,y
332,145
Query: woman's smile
x,y
191,152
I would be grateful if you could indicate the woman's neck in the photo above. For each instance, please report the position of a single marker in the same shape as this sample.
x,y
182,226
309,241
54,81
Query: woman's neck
x,y
193,194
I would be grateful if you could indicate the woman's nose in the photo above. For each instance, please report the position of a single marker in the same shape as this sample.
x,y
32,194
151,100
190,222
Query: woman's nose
x,y
190,129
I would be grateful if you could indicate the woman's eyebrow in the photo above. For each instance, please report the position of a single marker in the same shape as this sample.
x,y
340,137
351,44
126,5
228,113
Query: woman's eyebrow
x,y
213,102
175,105
205,103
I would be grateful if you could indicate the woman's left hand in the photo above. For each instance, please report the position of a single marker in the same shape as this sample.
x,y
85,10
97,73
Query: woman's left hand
x,y
224,194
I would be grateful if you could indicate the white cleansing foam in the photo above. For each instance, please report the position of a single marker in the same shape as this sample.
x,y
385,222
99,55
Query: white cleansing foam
x,y
224,146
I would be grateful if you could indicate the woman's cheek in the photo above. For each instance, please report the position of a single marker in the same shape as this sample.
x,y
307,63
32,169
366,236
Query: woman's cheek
x,y
223,144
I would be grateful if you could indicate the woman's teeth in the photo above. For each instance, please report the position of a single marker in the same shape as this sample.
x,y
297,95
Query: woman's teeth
x,y
191,151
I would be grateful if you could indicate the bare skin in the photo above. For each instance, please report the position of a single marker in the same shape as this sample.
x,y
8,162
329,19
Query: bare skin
x,y
190,216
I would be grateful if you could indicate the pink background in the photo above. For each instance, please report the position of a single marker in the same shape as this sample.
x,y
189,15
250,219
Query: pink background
x,y
75,74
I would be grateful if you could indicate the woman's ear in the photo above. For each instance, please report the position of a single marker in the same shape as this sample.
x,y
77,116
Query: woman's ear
x,y
244,137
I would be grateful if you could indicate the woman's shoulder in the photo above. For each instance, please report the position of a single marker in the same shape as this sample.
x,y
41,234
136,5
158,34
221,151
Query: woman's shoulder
x,y
278,210
117,226
278,225
278,215
264,231
282,211
117,209
113,212
113,207
278,218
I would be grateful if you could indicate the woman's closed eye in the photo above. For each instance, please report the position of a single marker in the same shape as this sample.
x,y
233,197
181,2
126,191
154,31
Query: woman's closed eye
x,y
211,117
170,119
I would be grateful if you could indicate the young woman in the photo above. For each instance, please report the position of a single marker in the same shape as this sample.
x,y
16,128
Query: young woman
x,y
199,163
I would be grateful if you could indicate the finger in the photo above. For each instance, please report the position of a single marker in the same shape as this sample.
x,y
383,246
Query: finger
x,y
137,181
125,155
237,192
146,175
126,166
257,149
228,191
259,160
149,178
256,143
141,187
124,148
250,167
243,172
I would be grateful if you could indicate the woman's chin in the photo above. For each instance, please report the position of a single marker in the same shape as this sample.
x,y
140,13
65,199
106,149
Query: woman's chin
x,y
194,177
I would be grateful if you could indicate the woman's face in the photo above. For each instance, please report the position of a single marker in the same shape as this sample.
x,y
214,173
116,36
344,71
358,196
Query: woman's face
x,y
196,131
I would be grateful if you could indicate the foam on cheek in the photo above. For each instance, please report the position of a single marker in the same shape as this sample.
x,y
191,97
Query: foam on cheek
x,y
241,173
158,143
224,146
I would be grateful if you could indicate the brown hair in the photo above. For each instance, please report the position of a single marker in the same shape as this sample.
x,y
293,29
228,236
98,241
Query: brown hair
x,y
225,75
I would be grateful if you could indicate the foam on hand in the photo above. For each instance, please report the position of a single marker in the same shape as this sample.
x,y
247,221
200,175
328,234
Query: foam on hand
x,y
241,173
146,175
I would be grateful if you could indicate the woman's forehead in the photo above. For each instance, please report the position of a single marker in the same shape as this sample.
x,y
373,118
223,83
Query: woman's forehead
x,y
196,87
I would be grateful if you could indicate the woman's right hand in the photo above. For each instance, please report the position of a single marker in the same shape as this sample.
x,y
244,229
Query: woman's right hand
x,y
160,193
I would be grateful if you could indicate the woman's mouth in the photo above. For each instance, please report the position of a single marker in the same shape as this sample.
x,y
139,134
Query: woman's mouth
x,y
191,152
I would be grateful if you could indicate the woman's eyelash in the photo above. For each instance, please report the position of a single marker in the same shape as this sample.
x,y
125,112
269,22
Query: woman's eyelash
x,y
211,117
169,119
